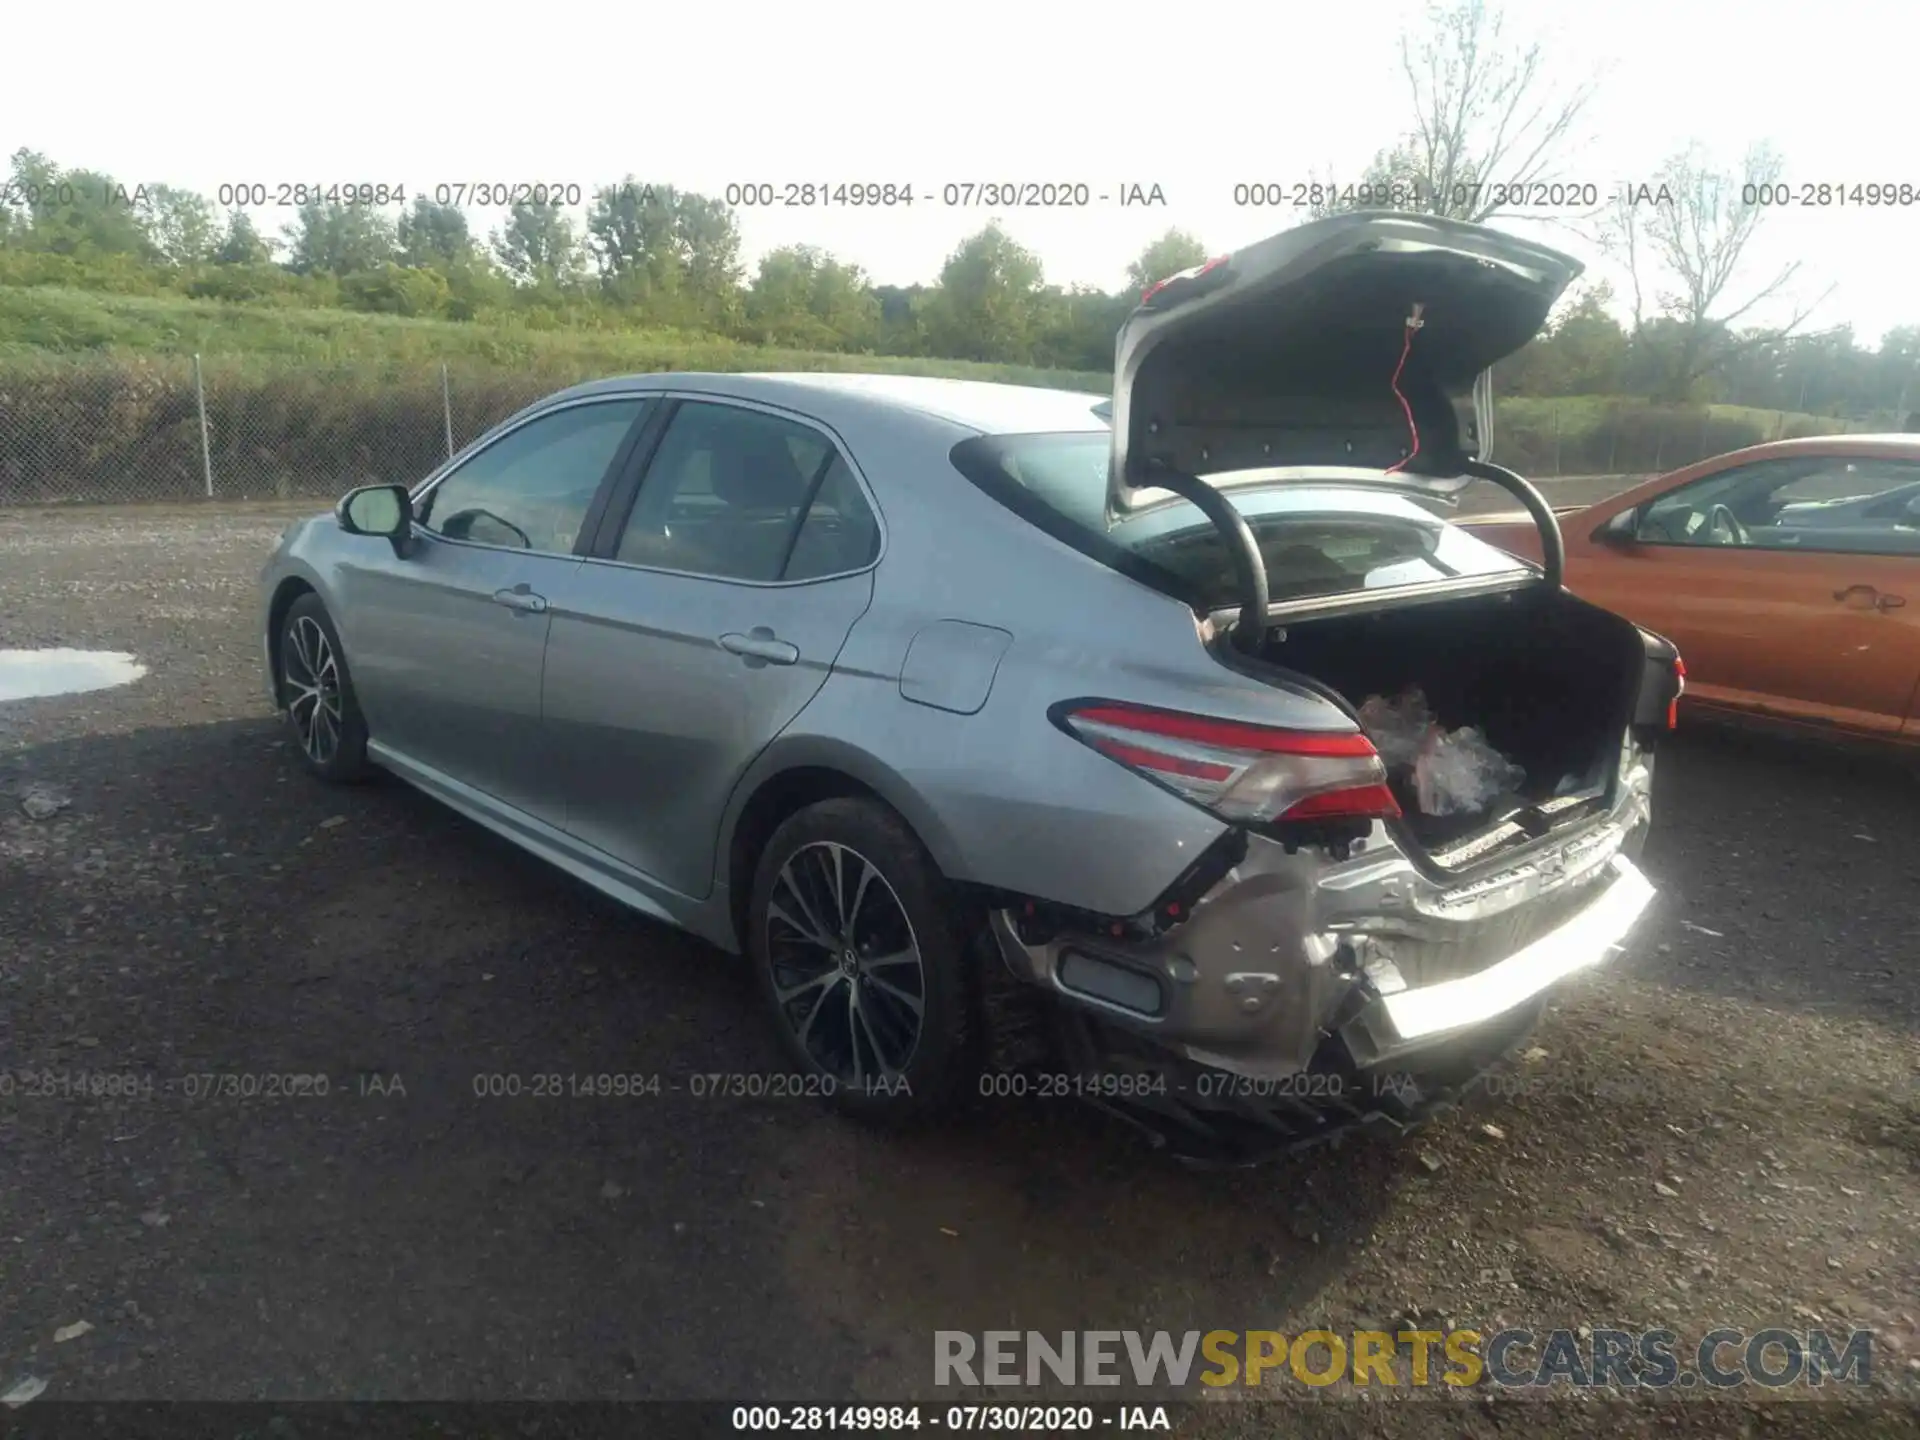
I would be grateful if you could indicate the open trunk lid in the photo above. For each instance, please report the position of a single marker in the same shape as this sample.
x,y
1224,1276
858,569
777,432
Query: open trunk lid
x,y
1263,365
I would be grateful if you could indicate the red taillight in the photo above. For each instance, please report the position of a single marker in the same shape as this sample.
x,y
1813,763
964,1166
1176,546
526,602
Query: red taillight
x,y
1362,800
1243,772
1679,689
1193,274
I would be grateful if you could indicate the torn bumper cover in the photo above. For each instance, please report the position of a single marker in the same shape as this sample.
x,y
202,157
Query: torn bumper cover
x,y
1406,1019
1289,950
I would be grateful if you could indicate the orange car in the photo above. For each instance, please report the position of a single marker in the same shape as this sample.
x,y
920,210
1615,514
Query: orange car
x,y
1788,574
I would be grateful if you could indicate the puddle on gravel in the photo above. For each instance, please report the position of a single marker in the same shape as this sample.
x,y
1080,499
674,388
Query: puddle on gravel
x,y
33,674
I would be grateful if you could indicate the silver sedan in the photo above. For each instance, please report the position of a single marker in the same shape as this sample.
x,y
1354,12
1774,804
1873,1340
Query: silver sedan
x,y
1002,726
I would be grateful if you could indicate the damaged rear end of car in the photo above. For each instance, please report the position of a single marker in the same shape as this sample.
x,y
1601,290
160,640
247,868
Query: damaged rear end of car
x,y
1432,765
1323,965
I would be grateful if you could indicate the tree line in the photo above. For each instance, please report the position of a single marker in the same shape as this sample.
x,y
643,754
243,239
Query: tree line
x,y
647,255
657,257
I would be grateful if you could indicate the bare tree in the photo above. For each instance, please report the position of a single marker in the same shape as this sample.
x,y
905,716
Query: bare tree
x,y
1688,234
1487,128
1619,235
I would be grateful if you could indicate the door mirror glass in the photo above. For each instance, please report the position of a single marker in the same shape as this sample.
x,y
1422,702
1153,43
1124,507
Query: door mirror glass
x,y
384,510
1621,529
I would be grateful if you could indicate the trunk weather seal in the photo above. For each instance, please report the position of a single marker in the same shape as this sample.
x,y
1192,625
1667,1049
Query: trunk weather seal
x,y
1359,602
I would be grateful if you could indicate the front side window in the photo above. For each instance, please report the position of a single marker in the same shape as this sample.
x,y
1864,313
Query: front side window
x,y
531,489
739,494
1819,503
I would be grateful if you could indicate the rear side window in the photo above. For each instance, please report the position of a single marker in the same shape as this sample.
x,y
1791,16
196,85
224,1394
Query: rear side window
x,y
1316,541
738,494
839,533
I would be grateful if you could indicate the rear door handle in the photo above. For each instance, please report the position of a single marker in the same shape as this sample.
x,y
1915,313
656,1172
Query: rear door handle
x,y
521,598
761,644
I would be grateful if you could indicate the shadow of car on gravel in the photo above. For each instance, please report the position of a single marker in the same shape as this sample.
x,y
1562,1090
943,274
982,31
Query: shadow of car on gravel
x,y
202,910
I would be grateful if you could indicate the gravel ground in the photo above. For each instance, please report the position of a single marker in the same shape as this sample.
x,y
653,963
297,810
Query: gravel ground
x,y
1722,1129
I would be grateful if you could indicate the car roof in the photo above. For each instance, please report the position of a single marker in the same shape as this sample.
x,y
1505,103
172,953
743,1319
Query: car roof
x,y
1836,444
990,407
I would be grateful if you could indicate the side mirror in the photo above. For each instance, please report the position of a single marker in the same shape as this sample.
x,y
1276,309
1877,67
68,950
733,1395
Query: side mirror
x,y
385,510
1621,529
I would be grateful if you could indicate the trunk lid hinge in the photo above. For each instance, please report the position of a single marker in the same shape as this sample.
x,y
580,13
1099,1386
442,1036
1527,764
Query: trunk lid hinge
x,y
1553,549
1249,566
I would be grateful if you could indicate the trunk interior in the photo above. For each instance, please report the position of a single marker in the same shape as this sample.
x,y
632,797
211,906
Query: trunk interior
x,y
1548,680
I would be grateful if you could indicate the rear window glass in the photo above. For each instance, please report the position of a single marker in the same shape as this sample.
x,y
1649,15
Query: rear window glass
x,y
1317,541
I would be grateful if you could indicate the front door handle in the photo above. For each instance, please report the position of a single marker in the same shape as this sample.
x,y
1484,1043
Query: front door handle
x,y
521,598
1873,596
760,644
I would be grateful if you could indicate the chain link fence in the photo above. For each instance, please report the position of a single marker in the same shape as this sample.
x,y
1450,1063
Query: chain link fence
x,y
173,428
106,430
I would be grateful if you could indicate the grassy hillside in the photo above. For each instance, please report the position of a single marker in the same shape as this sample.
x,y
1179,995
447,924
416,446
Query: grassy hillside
x,y
42,320
1612,435
1580,413
97,398
98,402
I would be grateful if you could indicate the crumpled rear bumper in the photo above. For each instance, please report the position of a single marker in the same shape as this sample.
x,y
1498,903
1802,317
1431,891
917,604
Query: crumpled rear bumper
x,y
1289,949
1394,1023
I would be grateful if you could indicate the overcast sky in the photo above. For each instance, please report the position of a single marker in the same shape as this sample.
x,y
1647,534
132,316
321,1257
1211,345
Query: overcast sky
x,y
841,90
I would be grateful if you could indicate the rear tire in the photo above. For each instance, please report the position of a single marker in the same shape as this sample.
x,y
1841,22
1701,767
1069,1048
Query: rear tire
x,y
329,732
859,946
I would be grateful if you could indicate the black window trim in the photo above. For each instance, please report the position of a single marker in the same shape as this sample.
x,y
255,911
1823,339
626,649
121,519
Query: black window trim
x,y
1766,462
590,520
625,493
982,460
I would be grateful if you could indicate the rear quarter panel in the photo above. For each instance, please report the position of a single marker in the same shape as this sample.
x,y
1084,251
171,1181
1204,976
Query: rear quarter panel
x,y
1001,796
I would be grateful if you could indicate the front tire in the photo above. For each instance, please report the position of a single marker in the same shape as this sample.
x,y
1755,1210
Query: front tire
x,y
324,714
859,946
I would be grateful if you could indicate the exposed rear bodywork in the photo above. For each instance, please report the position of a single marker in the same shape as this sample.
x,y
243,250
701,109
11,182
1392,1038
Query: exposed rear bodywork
x,y
1313,951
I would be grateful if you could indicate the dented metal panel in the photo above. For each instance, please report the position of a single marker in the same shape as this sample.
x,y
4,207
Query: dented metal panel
x,y
1271,954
